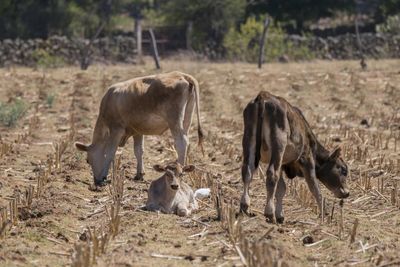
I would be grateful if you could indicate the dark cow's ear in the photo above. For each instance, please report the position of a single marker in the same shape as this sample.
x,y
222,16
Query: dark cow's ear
x,y
81,147
335,154
159,168
188,168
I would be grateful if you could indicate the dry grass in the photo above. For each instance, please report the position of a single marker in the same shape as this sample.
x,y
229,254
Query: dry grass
x,y
43,176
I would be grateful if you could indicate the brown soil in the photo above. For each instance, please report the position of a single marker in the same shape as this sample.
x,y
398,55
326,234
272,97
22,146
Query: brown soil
x,y
334,96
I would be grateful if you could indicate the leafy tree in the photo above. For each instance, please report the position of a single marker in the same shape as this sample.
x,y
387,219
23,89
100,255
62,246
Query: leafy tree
x,y
211,19
297,12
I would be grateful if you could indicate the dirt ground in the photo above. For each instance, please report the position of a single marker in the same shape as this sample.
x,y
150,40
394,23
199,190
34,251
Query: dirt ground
x,y
358,110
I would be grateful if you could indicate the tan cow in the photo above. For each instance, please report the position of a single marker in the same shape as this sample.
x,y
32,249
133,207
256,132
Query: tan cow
x,y
169,194
147,105
277,133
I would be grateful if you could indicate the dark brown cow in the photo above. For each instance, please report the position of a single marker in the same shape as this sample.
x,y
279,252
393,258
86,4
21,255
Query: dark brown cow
x,y
277,133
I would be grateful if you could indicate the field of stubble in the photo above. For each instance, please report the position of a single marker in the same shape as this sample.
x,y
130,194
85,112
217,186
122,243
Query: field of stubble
x,y
46,207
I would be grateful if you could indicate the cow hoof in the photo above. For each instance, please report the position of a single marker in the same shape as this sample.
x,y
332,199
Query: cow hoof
x,y
244,208
280,219
270,218
139,177
102,183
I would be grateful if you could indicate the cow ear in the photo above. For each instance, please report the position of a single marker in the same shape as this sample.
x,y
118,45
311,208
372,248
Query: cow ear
x,y
335,154
81,147
159,168
188,168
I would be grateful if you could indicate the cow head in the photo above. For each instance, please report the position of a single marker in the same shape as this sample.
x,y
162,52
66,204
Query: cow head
x,y
96,159
333,174
172,172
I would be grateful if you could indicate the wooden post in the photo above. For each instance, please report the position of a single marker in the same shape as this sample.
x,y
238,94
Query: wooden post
x,y
189,31
155,50
138,34
360,50
85,52
262,43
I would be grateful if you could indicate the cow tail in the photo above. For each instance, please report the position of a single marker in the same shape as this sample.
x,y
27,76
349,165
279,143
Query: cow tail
x,y
260,112
195,85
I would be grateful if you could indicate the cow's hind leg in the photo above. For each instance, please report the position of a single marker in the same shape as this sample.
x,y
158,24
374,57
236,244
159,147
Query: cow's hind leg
x,y
181,139
279,194
187,120
275,136
273,173
138,142
249,146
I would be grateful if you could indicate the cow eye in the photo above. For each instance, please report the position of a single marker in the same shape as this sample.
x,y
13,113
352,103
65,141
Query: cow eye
x,y
87,161
343,171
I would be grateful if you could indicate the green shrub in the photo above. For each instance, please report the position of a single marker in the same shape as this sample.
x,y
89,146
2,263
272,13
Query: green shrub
x,y
244,44
50,99
391,25
10,113
44,60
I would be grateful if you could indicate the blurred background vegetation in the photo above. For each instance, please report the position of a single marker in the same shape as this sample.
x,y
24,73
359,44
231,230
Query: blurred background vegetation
x,y
218,28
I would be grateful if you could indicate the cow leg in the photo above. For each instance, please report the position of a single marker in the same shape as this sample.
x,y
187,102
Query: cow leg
x,y
273,175
308,169
138,149
247,176
187,120
249,146
181,143
279,194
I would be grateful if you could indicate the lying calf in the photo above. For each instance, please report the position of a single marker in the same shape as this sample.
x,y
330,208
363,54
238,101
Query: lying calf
x,y
170,195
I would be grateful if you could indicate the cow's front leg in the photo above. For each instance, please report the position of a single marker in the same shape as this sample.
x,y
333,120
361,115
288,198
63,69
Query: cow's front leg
x,y
138,142
308,169
279,194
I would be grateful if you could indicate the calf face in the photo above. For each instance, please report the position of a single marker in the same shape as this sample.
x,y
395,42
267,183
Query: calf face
x,y
174,169
168,194
333,174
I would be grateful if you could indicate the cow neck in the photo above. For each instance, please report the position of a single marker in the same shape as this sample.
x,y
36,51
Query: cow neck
x,y
321,154
99,132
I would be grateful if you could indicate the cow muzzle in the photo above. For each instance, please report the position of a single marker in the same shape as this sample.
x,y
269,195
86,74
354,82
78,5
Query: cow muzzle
x,y
342,193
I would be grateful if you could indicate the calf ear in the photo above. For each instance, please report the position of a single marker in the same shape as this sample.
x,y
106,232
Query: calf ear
x,y
159,168
335,154
188,168
81,147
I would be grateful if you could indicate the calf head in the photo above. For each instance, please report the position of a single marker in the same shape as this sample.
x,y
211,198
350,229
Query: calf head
x,y
333,174
172,172
96,158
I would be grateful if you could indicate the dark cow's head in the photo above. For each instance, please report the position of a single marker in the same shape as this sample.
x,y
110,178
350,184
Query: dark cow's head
x,y
172,172
333,173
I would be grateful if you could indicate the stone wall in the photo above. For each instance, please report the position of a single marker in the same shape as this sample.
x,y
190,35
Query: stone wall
x,y
122,48
345,46
28,52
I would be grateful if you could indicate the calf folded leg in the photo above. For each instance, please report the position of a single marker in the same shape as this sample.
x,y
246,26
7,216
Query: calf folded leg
x,y
182,210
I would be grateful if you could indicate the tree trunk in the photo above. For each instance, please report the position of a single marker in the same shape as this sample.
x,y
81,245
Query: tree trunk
x,y
138,34
262,43
155,50
189,33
